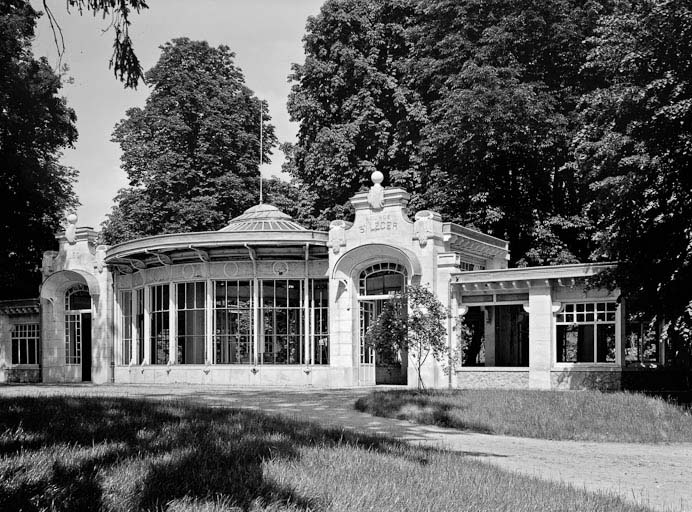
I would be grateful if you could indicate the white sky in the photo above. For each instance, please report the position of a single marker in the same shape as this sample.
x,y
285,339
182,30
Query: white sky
x,y
266,36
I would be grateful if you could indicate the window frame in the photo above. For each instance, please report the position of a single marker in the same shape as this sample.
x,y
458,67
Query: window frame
x,y
385,268
160,316
182,309
222,342
615,322
319,322
73,355
293,313
126,323
23,340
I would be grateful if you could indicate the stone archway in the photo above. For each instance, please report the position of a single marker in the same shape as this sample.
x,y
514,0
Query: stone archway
x,y
352,262
66,332
363,308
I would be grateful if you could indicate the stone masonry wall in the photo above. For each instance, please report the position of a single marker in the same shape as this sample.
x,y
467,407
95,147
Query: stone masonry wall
x,y
486,379
586,379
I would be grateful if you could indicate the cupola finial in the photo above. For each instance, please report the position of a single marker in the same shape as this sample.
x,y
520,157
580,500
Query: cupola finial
x,y
376,194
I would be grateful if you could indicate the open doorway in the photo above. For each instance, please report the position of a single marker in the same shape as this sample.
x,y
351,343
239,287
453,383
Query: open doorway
x,y
378,285
78,330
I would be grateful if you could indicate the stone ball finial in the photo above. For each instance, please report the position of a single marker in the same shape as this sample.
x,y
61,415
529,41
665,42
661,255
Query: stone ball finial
x,y
71,231
377,177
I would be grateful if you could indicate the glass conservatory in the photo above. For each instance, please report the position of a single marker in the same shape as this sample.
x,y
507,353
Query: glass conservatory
x,y
266,302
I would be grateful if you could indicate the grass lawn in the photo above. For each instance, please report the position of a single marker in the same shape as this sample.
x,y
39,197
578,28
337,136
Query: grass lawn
x,y
578,415
73,454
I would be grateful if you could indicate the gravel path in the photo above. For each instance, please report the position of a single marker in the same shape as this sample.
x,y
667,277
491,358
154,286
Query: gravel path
x,y
659,476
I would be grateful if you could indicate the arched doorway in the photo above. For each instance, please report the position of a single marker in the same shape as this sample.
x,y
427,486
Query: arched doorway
x,y
78,329
379,284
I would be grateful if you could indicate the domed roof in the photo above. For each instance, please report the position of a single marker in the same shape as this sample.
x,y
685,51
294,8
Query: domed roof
x,y
263,217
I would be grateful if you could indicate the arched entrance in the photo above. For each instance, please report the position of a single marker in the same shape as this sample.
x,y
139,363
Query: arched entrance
x,y
369,275
78,329
379,285
69,299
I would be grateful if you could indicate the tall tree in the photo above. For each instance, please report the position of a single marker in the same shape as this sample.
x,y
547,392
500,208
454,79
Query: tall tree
x,y
191,154
502,80
636,148
355,111
469,105
35,124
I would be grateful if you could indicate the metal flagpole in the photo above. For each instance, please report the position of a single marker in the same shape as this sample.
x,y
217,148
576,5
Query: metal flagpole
x,y
260,155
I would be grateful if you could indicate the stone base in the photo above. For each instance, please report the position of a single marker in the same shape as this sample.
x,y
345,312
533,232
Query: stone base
x,y
603,380
492,378
237,375
394,374
20,375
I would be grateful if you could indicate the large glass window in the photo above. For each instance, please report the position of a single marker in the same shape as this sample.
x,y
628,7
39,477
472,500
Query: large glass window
x,y
233,333
319,323
77,300
282,322
284,337
126,326
586,333
159,324
25,338
191,322
641,342
382,279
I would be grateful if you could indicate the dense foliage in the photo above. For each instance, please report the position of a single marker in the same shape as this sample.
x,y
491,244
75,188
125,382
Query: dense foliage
x,y
561,126
635,147
413,325
35,124
468,105
191,154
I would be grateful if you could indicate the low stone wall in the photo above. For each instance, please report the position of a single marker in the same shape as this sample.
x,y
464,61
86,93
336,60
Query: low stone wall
x,y
604,380
393,374
236,375
492,378
20,375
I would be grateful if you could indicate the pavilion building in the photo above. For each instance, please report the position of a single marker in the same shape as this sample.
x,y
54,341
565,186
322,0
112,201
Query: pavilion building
x,y
267,302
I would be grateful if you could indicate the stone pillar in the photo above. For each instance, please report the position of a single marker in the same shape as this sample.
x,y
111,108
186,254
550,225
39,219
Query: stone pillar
x,y
147,325
172,324
540,336
134,354
620,330
489,320
209,357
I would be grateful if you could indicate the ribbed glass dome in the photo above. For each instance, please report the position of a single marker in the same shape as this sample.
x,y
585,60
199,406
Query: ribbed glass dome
x,y
263,217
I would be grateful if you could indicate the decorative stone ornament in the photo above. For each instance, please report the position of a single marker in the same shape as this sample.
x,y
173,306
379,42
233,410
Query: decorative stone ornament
x,y
280,268
337,235
376,194
71,231
423,227
230,269
100,258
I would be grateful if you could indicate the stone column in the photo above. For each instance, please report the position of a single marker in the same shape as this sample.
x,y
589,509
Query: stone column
x,y
172,324
540,335
147,325
134,354
209,319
